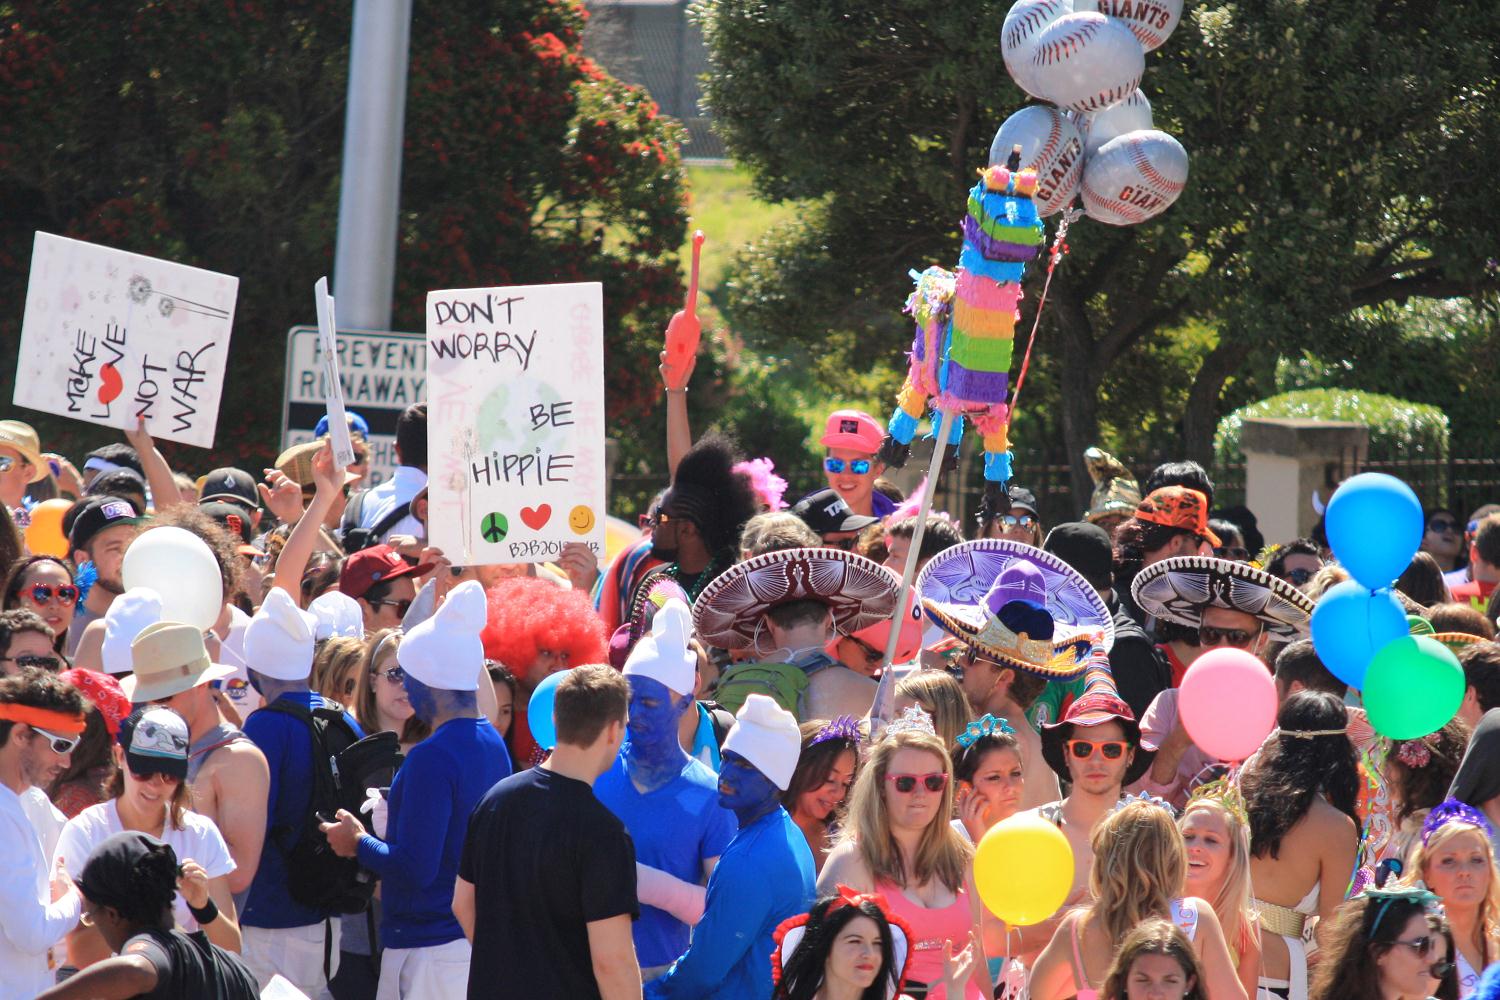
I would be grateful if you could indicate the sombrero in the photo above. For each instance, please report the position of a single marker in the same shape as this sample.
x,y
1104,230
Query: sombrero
x,y
1093,708
858,591
648,601
1457,642
1178,590
1011,625
964,574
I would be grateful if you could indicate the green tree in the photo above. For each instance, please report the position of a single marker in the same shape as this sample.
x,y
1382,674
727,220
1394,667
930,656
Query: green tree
x,y
211,132
1338,162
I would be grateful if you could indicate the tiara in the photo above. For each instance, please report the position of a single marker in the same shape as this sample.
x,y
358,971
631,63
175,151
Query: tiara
x,y
1454,811
1413,753
845,727
912,720
1148,799
982,727
1227,795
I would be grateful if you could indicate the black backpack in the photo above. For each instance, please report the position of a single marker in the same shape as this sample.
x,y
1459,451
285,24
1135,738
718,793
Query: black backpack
x,y
343,766
356,538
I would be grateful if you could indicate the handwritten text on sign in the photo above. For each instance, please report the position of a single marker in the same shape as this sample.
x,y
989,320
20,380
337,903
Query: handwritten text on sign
x,y
515,422
109,335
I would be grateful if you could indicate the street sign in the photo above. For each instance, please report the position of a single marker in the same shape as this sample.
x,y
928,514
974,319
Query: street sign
x,y
381,373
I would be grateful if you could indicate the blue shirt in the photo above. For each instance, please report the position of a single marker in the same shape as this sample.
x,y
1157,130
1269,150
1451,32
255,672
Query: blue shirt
x,y
675,828
764,876
438,786
287,743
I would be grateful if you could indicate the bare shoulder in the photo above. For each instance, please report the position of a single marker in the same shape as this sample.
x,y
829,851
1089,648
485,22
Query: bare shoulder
x,y
1326,820
238,761
845,867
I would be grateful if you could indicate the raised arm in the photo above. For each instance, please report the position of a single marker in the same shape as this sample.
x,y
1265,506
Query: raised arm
x,y
164,491
299,545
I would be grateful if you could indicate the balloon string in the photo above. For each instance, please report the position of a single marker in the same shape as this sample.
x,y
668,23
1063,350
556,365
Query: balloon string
x,y
1059,249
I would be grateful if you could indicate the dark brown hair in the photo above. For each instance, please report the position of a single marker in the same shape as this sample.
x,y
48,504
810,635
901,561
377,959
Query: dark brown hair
x,y
588,699
1152,937
816,763
38,689
1457,616
1364,929
1419,786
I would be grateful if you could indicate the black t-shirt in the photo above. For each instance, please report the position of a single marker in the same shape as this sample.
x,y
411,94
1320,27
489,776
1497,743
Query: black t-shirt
x,y
1140,670
546,859
190,967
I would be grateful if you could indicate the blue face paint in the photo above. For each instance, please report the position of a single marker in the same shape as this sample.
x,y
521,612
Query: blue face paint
x,y
423,700
652,751
744,790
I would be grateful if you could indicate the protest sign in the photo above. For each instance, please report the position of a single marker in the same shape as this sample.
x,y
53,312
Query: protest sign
x,y
515,421
108,336
338,424
379,374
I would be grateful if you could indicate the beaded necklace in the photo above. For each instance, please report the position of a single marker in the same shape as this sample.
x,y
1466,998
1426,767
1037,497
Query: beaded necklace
x,y
700,579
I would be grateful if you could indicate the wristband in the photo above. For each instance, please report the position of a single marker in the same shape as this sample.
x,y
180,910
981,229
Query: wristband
x,y
205,914
680,392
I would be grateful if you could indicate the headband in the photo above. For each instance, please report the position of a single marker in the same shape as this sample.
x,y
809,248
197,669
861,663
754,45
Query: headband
x,y
1454,811
1148,799
64,723
845,727
101,465
1308,734
1220,790
394,633
982,727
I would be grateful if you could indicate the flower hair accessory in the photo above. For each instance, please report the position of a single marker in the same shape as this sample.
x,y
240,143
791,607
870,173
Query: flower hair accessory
x,y
845,727
913,720
982,727
1413,753
1149,799
1454,811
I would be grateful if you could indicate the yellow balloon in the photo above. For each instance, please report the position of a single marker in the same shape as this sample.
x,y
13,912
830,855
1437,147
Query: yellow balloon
x,y
44,536
1023,869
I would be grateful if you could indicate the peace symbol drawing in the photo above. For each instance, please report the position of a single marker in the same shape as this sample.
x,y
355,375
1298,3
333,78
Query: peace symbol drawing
x,y
494,527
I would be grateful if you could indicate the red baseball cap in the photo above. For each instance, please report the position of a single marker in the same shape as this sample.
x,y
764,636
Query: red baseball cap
x,y
378,563
852,429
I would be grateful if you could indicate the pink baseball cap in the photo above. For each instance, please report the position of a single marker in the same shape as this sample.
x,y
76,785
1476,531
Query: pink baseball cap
x,y
852,429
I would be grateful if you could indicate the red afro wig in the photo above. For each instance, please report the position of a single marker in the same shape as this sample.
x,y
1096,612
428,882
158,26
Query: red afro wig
x,y
527,614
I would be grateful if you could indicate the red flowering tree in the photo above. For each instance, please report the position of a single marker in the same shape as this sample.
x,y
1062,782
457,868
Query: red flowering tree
x,y
211,131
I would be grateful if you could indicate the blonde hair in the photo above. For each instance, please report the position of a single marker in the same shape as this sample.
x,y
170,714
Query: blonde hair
x,y
942,852
1139,867
414,730
940,697
337,657
1489,907
1232,902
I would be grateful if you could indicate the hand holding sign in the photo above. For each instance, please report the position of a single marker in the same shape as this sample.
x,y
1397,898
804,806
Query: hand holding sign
x,y
684,331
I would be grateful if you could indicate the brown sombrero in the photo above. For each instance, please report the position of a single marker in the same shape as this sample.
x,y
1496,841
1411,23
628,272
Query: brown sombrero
x,y
1178,589
1457,642
858,591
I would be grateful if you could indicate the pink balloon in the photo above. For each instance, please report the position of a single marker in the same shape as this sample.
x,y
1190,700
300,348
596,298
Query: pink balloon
x,y
1227,703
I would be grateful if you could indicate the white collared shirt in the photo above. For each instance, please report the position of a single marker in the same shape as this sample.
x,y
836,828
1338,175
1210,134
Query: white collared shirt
x,y
405,483
29,923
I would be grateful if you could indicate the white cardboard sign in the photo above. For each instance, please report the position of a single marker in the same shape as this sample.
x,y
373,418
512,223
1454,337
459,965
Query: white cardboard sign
x,y
338,424
515,422
108,335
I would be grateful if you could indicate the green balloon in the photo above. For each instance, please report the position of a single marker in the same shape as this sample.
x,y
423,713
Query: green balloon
x,y
1413,687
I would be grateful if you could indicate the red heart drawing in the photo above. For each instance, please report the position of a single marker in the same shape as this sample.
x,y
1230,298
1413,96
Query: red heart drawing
x,y
110,383
535,517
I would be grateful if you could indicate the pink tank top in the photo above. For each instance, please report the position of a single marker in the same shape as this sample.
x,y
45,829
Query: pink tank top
x,y
930,928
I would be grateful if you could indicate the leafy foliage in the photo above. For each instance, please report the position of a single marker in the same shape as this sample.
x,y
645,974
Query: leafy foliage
x,y
1399,428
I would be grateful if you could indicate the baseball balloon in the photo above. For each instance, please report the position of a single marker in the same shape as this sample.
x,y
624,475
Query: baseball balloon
x,y
1134,177
1130,115
1024,22
1151,21
1086,62
1051,145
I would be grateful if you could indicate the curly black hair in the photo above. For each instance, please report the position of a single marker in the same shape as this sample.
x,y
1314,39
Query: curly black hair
x,y
707,491
1294,768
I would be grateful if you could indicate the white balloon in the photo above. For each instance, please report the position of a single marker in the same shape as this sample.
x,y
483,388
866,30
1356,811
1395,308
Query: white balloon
x,y
1023,23
1151,21
1130,115
1086,62
1051,145
1134,177
179,566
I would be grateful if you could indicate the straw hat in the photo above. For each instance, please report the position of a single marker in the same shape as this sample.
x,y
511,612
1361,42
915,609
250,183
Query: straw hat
x,y
22,437
169,658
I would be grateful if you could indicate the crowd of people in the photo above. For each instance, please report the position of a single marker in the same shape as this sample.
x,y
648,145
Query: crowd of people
x,y
766,769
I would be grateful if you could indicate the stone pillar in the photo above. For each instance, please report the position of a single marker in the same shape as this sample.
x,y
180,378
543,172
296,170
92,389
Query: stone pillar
x,y
1287,460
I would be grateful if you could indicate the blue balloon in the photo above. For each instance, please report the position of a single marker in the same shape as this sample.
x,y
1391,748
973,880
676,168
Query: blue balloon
x,y
1374,524
539,711
1350,624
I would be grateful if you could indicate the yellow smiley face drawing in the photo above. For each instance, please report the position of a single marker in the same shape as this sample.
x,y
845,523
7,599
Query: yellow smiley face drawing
x,y
581,520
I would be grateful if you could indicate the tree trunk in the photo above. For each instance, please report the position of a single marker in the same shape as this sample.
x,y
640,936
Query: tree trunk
x,y
1081,374
1200,417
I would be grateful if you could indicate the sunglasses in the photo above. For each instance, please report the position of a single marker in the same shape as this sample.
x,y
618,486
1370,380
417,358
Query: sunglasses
x,y
1297,577
907,783
393,675
8,462
1441,525
67,594
1111,749
145,779
869,652
38,660
1236,637
1423,947
1235,552
657,520
402,607
1018,520
60,744
859,466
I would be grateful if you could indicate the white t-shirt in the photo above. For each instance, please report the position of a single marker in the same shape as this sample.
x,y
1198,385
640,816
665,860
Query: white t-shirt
x,y
199,839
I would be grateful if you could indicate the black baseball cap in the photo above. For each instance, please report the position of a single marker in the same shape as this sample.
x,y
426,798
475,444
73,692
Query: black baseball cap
x,y
826,513
96,514
1023,498
234,485
1086,548
233,519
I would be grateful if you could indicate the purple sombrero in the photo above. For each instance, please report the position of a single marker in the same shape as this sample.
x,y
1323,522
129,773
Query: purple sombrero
x,y
648,601
1179,589
858,591
964,574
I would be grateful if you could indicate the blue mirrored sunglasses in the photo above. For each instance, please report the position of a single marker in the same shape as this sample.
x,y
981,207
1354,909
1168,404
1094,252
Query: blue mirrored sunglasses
x,y
859,466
